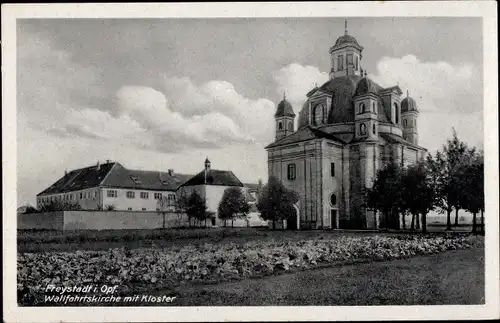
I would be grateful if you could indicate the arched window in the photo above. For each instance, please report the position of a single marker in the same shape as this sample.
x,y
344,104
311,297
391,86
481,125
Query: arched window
x,y
290,127
349,59
374,129
362,108
280,125
396,113
318,114
333,199
362,129
340,63
291,172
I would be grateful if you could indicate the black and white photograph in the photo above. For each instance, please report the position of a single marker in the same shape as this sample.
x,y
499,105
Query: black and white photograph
x,y
250,161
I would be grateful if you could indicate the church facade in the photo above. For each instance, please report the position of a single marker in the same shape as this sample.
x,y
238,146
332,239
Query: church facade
x,y
347,129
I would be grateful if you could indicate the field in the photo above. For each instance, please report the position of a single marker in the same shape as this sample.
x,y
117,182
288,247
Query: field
x,y
198,258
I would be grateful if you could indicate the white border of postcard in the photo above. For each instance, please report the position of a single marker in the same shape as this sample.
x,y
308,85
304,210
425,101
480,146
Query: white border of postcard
x,y
485,9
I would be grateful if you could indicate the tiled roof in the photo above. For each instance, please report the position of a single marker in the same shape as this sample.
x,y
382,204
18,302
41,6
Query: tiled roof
x,y
304,134
392,138
117,176
79,179
214,177
121,177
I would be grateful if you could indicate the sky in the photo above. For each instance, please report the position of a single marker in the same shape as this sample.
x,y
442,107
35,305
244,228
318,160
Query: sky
x,y
158,94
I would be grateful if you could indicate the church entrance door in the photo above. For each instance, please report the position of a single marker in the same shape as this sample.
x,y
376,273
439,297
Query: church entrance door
x,y
291,223
333,218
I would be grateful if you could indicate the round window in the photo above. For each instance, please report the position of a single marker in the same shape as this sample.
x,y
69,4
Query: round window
x,y
333,199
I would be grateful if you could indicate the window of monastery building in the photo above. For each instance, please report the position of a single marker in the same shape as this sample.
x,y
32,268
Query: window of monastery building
x,y
144,195
171,197
157,196
81,195
405,123
362,129
374,129
356,63
290,125
130,195
332,169
144,209
280,125
130,209
374,110
333,199
112,193
291,172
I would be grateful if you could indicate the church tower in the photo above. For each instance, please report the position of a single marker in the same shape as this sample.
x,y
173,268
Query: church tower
x,y
285,119
366,106
409,116
345,56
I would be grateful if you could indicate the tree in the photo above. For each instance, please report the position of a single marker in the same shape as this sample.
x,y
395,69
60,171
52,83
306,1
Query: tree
x,y
196,208
162,207
386,194
180,207
472,186
232,205
30,209
419,195
445,168
276,202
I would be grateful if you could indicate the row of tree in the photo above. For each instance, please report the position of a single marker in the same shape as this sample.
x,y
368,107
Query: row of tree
x,y
453,179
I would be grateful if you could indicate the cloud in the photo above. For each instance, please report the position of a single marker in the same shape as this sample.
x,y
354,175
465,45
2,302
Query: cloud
x,y
296,81
447,96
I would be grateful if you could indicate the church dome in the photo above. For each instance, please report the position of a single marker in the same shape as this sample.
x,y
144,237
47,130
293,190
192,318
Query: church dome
x,y
346,39
408,104
342,90
366,86
284,109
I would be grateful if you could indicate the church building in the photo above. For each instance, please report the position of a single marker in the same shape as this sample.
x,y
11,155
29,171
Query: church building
x,y
347,129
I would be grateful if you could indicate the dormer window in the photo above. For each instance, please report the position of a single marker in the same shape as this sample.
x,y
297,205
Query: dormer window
x,y
135,180
319,113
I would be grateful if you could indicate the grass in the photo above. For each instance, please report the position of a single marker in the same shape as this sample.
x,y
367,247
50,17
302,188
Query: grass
x,y
448,278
